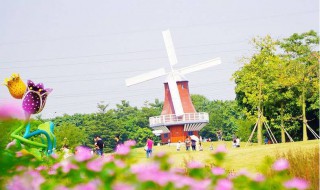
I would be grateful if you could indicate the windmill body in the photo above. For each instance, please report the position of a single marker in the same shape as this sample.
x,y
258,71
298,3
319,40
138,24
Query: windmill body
x,y
178,118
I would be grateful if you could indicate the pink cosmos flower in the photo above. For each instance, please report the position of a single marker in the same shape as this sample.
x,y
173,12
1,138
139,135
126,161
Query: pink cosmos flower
x,y
40,168
88,186
297,183
20,168
217,171
52,172
140,168
201,185
281,164
259,178
120,163
19,154
220,149
95,165
10,144
55,166
178,170
82,153
182,181
224,184
122,149
130,143
11,109
54,156
158,177
61,187
28,180
243,172
195,164
151,172
122,186
67,166
160,154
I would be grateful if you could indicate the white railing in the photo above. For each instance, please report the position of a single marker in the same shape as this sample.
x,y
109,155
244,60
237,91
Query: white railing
x,y
173,119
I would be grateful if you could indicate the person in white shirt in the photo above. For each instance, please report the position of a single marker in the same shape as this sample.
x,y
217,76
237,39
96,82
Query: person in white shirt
x,y
237,142
178,146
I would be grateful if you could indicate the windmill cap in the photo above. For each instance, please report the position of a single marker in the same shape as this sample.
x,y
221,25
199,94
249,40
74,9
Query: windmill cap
x,y
177,77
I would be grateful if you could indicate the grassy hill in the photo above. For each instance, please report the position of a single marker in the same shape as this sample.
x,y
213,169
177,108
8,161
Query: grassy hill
x,y
250,157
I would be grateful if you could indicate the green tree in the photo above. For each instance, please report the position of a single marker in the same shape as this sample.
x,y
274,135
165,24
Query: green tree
x,y
300,52
70,135
254,79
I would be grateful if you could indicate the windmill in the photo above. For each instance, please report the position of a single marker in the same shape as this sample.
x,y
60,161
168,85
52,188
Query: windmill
x,y
178,118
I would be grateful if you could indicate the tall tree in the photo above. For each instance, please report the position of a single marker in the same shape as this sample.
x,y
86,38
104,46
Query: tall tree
x,y
253,80
300,52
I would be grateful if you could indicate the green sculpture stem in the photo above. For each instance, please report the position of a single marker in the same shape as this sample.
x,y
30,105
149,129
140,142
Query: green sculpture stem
x,y
14,135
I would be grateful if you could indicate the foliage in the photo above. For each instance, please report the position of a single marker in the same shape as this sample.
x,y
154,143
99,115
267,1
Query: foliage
x,y
224,116
281,79
70,135
7,127
244,129
120,171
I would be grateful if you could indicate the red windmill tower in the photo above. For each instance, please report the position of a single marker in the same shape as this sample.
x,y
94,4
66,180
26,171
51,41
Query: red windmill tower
x,y
178,118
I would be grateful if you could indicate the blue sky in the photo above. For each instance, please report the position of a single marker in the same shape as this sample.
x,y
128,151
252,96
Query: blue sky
x,y
85,50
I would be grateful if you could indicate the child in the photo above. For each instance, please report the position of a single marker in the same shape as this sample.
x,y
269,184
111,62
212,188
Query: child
x,y
178,146
211,146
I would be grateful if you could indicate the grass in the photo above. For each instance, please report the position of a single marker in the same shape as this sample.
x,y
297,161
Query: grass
x,y
250,157
304,164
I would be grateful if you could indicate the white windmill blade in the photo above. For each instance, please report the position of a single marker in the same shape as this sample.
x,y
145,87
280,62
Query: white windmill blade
x,y
200,66
175,96
170,48
146,76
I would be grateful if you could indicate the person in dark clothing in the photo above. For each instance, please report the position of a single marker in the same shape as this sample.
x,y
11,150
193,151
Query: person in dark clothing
x,y
193,144
99,145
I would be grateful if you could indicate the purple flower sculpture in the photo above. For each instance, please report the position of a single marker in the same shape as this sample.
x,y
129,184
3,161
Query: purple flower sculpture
x,y
35,98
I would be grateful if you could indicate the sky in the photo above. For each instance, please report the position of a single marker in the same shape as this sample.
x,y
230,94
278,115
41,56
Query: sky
x,y
84,50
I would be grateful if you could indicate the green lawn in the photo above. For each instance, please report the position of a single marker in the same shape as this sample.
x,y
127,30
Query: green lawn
x,y
250,157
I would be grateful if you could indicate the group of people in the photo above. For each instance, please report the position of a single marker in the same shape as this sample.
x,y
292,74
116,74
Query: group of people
x,y
190,144
99,145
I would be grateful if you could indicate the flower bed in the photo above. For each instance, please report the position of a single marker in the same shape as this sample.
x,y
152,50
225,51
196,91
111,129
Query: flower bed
x,y
120,171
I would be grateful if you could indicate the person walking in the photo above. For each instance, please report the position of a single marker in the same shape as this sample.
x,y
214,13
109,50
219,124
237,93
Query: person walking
x,y
266,140
149,145
193,144
178,146
188,143
219,135
99,145
200,146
